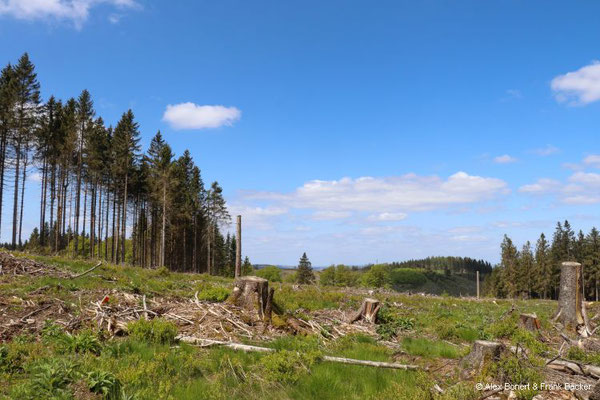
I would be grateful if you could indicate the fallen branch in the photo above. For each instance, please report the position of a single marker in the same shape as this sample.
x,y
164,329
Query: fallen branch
x,y
24,318
576,368
245,347
86,272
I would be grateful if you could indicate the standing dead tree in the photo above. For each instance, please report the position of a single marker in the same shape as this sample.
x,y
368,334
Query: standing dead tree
x,y
571,309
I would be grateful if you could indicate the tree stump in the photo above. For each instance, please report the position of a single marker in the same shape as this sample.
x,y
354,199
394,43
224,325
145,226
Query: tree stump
x,y
570,298
529,322
252,294
368,311
482,351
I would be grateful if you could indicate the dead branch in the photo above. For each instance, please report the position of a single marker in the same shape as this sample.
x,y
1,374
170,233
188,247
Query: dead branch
x,y
86,272
246,348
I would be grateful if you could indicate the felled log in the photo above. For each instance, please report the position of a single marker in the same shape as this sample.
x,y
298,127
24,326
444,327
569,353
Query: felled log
x,y
570,299
529,322
247,348
368,311
575,368
482,351
252,293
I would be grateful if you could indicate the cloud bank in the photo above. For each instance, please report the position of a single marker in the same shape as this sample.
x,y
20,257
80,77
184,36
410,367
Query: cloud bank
x,y
193,116
76,11
579,87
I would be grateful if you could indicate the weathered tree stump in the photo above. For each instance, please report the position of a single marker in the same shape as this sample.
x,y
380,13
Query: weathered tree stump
x,y
368,311
570,299
529,322
482,351
252,293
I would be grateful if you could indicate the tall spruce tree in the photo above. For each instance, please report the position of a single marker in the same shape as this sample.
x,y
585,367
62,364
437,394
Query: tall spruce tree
x,y
305,273
27,100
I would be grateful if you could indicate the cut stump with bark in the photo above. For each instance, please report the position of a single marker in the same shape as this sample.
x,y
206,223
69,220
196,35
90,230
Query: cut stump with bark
x,y
482,351
368,311
252,294
529,322
571,311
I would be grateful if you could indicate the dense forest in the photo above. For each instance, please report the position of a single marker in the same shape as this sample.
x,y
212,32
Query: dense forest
x,y
534,271
451,265
101,197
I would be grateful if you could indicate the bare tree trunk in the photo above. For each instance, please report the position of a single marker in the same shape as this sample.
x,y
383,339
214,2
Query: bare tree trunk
x,y
208,252
124,225
107,215
163,229
16,196
43,203
238,248
2,169
570,301
52,196
85,196
25,162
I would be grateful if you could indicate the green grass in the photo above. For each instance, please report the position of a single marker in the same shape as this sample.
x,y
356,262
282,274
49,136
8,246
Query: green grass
x,y
149,364
430,349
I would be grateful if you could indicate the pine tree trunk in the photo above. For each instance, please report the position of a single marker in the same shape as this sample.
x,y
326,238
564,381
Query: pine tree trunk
x,y
208,252
570,301
106,227
16,196
52,195
43,204
25,161
123,226
2,170
164,223
85,196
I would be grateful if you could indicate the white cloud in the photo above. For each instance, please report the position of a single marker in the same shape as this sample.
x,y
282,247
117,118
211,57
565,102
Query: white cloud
x,y
542,186
592,160
193,116
76,11
327,215
586,178
580,188
389,194
578,87
256,217
546,151
35,177
387,216
504,159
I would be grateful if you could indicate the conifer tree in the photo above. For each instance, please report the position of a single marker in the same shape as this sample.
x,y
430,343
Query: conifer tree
x,y
27,100
305,273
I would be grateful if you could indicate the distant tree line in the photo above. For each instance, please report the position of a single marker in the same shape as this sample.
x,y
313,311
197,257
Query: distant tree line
x,y
452,265
100,196
534,270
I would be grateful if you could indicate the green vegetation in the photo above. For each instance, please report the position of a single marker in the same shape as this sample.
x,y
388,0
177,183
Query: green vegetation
x,y
270,273
148,363
154,331
535,272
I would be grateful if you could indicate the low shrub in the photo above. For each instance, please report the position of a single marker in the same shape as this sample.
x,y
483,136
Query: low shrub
x,y
213,293
156,331
104,384
287,367
390,324
271,273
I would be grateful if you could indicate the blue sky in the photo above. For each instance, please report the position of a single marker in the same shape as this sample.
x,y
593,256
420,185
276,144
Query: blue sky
x,y
352,130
